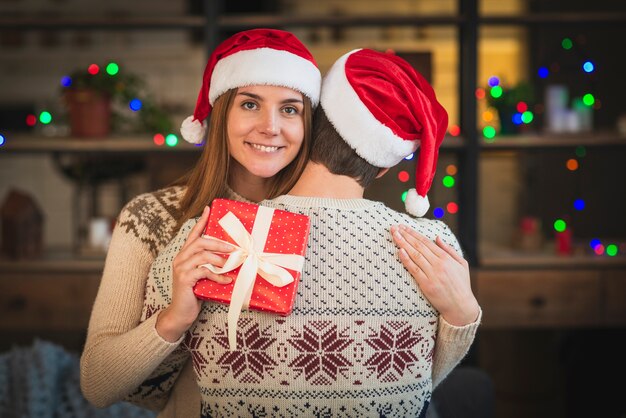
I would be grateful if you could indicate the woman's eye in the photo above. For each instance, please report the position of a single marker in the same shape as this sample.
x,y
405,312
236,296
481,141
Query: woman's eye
x,y
290,110
249,105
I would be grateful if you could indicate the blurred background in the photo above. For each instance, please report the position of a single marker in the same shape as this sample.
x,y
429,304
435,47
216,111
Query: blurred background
x,y
92,95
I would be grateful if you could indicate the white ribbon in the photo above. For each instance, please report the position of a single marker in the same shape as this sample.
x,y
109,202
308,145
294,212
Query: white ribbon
x,y
250,256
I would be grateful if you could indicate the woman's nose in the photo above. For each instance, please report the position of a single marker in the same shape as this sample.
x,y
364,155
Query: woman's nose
x,y
270,124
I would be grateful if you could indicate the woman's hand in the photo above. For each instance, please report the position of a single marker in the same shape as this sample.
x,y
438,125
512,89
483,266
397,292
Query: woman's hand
x,y
441,273
176,319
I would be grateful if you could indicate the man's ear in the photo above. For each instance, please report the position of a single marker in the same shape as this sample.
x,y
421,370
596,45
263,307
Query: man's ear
x,y
382,172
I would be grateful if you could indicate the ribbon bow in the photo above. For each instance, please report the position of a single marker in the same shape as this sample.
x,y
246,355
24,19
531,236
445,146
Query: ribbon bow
x,y
250,256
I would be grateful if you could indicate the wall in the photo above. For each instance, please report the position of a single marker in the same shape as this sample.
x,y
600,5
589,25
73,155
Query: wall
x,y
31,66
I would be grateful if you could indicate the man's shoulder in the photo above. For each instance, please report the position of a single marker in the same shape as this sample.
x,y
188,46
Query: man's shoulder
x,y
428,227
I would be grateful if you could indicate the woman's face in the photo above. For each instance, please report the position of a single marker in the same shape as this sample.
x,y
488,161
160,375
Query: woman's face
x,y
265,128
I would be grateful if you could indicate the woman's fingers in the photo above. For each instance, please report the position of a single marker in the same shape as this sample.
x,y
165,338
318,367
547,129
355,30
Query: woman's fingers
x,y
421,242
412,249
451,251
217,278
199,259
413,268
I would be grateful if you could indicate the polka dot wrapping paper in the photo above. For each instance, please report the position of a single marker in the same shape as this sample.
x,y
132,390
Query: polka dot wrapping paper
x,y
288,234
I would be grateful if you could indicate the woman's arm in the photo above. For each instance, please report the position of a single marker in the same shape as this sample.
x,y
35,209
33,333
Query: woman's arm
x,y
126,358
443,276
120,352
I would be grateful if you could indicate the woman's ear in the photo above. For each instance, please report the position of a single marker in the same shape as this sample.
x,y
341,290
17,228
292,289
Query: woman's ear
x,y
382,172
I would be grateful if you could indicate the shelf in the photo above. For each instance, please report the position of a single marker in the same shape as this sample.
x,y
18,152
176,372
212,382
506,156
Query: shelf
x,y
106,23
249,21
241,22
504,259
24,143
596,18
55,260
596,139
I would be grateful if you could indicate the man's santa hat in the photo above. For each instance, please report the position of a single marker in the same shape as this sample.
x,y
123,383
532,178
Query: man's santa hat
x,y
253,57
385,110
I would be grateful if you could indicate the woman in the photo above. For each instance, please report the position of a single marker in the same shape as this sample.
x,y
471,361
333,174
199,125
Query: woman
x,y
259,87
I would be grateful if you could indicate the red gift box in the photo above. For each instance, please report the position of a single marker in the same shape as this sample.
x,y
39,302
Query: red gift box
x,y
267,263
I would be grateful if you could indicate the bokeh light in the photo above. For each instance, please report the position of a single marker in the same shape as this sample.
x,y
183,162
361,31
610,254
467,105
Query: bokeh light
x,y
45,117
488,115
581,151
493,81
588,99
598,249
567,43
452,207
409,157
480,93
489,132
112,68
572,164
521,107
158,139
451,169
560,225
594,242
135,105
588,67
66,81
171,140
496,92
611,250
403,176
543,72
93,69
527,116
438,213
2,140
403,197
455,130
579,204
448,181
31,120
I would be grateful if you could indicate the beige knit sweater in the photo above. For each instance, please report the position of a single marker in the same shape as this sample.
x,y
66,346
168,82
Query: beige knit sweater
x,y
122,355
345,287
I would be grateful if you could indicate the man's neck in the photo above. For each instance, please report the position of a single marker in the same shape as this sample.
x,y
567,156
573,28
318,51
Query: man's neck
x,y
317,181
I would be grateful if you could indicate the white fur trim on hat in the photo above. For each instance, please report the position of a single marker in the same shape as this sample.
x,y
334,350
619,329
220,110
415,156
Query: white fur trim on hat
x,y
415,204
373,141
193,131
250,67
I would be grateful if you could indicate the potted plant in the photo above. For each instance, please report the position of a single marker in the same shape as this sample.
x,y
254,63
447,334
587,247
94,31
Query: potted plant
x,y
100,100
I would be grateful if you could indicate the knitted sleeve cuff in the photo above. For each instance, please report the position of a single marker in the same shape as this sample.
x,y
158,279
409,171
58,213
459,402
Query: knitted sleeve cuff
x,y
161,343
451,332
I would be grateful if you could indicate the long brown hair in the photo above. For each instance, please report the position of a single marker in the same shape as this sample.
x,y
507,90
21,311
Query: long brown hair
x,y
208,179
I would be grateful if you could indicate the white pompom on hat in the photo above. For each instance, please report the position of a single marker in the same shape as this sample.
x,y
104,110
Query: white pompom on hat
x,y
253,57
385,110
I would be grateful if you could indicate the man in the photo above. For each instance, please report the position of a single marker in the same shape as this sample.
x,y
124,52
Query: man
x,y
376,109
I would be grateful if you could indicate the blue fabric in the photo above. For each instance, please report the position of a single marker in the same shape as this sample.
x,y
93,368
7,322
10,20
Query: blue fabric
x,y
42,381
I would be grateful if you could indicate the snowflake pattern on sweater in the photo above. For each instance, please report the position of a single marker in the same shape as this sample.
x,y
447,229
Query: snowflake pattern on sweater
x,y
360,339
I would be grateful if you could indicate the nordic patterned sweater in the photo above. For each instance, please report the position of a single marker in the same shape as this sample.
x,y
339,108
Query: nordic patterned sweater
x,y
361,341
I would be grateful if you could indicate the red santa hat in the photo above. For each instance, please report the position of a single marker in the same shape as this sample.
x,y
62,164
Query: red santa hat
x,y
385,110
253,57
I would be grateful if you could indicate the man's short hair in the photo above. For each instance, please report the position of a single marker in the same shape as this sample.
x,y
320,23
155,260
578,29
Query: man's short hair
x,y
330,150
